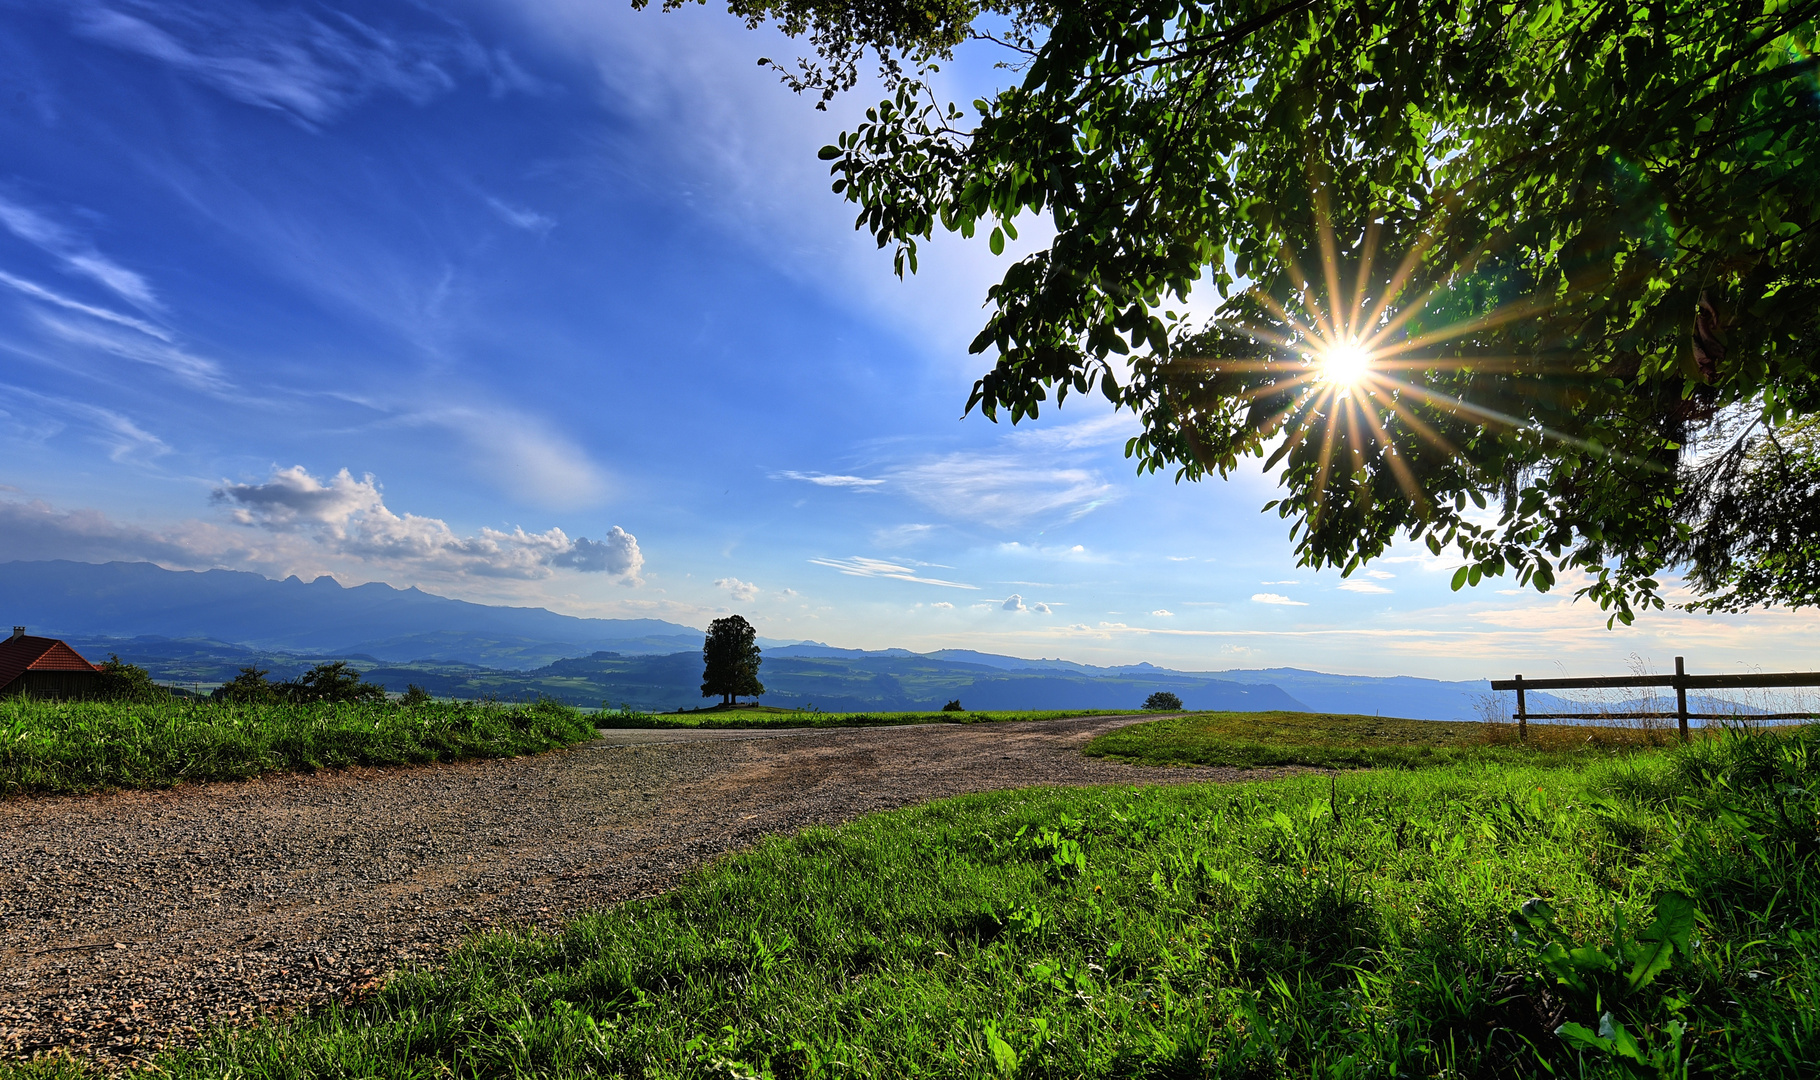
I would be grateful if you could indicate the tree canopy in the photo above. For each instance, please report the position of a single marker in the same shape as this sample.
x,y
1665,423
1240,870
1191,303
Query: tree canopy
x,y
730,659
333,682
1533,280
1162,701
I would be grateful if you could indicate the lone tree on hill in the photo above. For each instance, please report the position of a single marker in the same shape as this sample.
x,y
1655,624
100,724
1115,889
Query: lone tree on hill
x,y
1162,701
730,660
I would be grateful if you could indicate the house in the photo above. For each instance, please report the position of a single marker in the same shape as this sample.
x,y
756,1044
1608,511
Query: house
x,y
44,667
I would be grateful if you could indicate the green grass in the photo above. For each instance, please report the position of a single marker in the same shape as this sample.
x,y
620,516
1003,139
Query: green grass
x,y
764,716
66,747
1324,740
1351,926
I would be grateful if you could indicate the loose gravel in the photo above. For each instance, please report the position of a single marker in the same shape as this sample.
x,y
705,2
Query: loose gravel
x,y
133,920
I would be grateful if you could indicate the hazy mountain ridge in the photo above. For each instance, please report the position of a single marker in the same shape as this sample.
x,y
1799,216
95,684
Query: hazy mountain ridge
x,y
199,628
129,600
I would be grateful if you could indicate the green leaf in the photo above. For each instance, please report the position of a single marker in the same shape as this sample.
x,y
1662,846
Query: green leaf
x,y
1583,1037
1459,577
1656,945
1003,1056
997,241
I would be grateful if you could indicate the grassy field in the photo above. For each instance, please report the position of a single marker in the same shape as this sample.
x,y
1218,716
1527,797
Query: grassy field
x,y
1655,915
762,716
1323,740
67,747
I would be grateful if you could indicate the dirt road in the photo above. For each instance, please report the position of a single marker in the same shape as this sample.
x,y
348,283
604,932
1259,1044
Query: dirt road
x,y
131,919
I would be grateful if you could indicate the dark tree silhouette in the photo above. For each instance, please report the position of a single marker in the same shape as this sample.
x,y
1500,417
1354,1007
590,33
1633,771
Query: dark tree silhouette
x,y
1163,701
730,660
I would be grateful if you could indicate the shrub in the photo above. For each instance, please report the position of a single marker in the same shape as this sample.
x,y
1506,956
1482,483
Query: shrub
x,y
121,681
1163,701
953,706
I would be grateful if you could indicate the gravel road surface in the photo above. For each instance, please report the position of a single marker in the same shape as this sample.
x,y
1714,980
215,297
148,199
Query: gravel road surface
x,y
133,919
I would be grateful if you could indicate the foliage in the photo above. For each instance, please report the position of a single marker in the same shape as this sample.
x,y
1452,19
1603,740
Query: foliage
x,y
1324,740
1760,502
332,682
414,696
730,660
1355,926
1163,701
121,681
250,687
65,747
1576,232
328,682
953,706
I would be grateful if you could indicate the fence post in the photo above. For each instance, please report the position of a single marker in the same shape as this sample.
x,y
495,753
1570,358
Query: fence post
x,y
1681,695
1522,713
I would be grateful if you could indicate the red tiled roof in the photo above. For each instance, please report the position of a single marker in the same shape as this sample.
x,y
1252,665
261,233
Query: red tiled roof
x,y
26,653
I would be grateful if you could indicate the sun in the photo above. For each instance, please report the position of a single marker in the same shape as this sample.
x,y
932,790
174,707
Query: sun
x,y
1343,365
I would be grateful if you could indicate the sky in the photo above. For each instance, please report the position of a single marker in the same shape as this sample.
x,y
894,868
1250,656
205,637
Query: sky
x,y
548,303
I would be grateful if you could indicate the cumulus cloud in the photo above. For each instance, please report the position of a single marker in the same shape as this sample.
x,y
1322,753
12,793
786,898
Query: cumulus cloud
x,y
1276,598
828,479
1014,602
943,604
310,65
743,591
861,566
1362,587
617,554
348,517
1161,613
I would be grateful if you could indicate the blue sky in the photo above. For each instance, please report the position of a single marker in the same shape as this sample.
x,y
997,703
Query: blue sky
x,y
548,303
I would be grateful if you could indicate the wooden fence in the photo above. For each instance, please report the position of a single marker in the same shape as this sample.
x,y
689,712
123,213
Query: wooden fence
x,y
1680,681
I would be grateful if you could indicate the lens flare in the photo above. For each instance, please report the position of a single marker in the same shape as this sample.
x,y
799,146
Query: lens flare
x,y
1343,365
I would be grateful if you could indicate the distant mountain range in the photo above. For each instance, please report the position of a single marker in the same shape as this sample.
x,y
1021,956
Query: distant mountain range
x,y
200,628
126,600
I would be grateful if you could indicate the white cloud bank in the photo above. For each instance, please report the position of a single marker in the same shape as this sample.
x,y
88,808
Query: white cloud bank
x,y
349,517
294,522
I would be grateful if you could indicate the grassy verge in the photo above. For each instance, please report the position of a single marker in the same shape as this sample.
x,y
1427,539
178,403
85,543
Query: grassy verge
x,y
1654,916
766,717
67,747
1325,740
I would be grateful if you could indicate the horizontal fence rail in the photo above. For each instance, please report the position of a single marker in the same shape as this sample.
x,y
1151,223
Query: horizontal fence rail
x,y
1681,682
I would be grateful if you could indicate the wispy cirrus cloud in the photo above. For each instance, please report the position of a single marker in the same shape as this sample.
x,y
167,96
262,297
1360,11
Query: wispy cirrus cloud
x,y
861,566
835,480
311,64
74,253
520,218
48,296
199,372
1372,587
125,440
